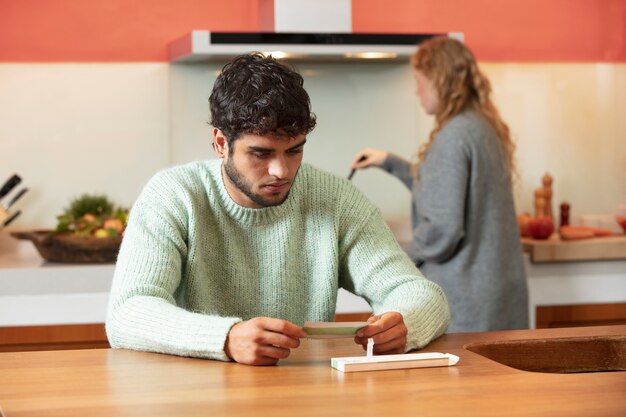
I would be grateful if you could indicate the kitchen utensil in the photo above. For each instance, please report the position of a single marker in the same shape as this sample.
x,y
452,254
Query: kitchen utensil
x,y
15,198
5,216
10,219
361,159
9,185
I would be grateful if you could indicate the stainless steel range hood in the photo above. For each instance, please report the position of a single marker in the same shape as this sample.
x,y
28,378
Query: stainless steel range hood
x,y
200,45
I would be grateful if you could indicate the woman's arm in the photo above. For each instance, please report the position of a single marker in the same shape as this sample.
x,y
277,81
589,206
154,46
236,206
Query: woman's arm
x,y
400,168
439,198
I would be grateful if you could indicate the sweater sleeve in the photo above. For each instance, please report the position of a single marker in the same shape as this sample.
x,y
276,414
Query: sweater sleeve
x,y
375,267
399,168
142,313
439,198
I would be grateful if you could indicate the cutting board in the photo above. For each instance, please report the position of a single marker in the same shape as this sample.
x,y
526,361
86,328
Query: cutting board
x,y
556,250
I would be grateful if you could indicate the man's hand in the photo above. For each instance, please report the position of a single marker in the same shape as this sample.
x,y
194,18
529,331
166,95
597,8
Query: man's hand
x,y
262,340
387,330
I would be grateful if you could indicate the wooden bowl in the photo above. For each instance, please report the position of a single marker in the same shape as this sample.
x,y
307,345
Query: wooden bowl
x,y
69,248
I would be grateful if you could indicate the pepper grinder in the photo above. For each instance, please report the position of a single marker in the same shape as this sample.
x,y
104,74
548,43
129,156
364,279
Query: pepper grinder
x,y
564,214
540,203
546,181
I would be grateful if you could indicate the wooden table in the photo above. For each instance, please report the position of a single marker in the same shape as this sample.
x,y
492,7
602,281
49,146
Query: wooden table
x,y
104,382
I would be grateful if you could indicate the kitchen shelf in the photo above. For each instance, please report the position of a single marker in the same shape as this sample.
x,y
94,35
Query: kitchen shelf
x,y
556,250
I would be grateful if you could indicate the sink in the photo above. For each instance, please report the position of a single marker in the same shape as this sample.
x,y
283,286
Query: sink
x,y
557,355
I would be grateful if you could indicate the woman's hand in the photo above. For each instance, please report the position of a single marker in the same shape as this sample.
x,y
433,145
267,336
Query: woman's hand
x,y
369,157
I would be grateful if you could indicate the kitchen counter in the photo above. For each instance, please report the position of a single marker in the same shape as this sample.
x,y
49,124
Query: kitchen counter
x,y
34,292
588,275
556,250
105,382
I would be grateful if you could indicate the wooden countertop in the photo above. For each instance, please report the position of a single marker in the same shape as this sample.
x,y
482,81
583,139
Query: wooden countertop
x,y
556,250
108,382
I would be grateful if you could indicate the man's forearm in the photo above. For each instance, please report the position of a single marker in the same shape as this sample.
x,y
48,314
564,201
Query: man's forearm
x,y
152,324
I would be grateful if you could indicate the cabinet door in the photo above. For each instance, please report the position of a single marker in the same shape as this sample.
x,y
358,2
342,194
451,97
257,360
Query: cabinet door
x,y
78,336
581,315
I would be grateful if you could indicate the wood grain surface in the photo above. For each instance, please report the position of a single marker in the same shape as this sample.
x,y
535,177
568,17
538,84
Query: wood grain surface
x,y
105,382
53,337
556,250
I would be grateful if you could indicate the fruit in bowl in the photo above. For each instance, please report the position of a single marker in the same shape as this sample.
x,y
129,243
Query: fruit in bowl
x,y
92,215
89,231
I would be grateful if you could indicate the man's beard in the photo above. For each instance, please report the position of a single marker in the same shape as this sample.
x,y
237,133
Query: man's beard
x,y
245,187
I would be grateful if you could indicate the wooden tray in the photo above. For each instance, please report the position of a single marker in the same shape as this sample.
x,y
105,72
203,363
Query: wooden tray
x,y
70,248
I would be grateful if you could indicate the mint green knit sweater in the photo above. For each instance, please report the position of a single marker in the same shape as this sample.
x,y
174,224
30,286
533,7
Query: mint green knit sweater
x,y
193,263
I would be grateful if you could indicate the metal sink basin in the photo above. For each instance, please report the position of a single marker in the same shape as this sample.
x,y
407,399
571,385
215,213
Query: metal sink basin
x,y
557,355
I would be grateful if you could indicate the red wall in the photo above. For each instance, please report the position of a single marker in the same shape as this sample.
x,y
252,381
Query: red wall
x,y
139,30
509,30
111,30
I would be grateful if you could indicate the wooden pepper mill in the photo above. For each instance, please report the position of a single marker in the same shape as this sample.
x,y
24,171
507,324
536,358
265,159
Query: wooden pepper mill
x,y
540,203
546,180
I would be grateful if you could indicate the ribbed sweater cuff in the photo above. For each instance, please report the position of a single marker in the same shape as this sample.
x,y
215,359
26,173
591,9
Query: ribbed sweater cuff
x,y
428,322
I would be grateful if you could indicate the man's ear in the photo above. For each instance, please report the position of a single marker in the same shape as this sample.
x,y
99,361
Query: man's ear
x,y
220,144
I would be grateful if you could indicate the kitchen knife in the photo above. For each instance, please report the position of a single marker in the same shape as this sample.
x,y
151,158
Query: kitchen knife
x,y
15,198
10,219
9,185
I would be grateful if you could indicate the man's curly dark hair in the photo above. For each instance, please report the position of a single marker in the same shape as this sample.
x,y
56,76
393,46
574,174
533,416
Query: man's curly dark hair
x,y
259,95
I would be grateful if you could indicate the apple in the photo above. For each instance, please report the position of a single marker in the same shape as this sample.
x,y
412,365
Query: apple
x,y
541,227
115,224
85,220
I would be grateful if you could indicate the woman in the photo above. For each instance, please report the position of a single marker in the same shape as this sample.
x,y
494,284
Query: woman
x,y
465,235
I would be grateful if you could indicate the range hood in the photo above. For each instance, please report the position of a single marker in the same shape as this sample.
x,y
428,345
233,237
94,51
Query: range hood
x,y
201,45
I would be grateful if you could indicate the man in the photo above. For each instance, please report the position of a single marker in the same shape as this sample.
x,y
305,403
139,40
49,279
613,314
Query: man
x,y
226,259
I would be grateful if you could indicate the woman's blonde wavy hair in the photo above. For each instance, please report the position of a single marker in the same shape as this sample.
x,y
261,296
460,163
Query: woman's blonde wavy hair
x,y
460,85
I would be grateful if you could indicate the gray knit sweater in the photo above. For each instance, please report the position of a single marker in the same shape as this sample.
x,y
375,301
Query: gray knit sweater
x,y
465,234
193,263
